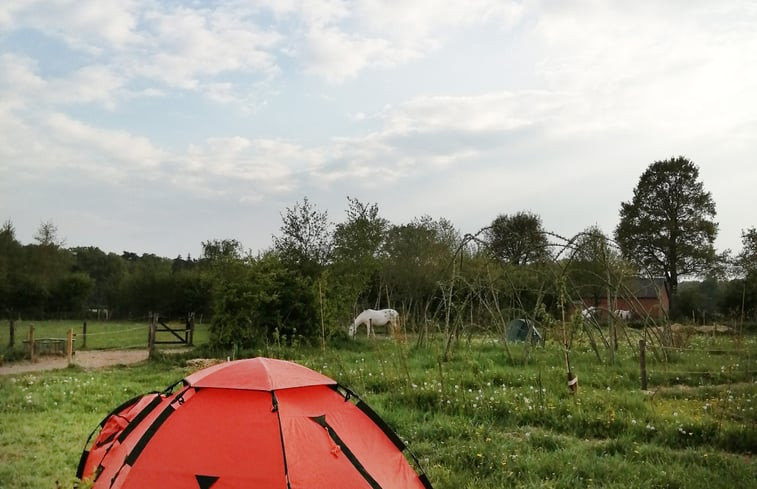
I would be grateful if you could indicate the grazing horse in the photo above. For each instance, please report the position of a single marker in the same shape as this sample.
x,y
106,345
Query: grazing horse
x,y
623,314
372,317
590,312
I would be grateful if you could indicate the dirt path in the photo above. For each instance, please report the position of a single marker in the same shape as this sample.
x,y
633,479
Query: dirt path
x,y
83,358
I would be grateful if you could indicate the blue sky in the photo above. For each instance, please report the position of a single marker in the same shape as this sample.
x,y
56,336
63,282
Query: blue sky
x,y
151,126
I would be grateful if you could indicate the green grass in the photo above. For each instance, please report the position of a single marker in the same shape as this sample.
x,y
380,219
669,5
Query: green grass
x,y
100,334
474,421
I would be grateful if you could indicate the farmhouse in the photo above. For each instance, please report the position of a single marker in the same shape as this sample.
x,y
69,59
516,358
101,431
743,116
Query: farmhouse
x,y
644,297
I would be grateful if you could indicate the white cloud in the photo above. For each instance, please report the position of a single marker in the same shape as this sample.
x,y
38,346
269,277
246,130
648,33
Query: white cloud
x,y
657,64
83,24
183,47
118,44
248,169
343,40
102,147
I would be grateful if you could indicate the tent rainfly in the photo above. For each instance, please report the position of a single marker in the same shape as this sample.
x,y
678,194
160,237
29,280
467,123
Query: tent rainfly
x,y
521,330
261,423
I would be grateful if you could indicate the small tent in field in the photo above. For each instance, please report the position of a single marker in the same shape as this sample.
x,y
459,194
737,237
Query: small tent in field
x,y
256,423
520,329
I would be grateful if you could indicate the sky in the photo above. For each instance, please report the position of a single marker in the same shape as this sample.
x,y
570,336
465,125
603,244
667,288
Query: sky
x,y
152,126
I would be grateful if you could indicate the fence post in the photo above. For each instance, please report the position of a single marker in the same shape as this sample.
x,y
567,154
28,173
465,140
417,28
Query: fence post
x,y
643,362
32,353
12,333
151,334
70,347
84,334
191,328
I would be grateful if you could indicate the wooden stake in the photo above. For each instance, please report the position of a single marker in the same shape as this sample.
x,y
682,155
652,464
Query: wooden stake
x,y
151,334
323,327
643,362
70,346
32,353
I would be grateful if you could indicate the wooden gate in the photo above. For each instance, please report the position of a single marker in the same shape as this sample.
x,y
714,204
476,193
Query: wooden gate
x,y
163,334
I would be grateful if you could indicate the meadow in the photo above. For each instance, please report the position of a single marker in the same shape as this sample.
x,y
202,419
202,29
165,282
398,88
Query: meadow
x,y
100,335
478,420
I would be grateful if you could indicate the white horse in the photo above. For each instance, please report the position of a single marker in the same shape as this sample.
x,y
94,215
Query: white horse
x,y
372,317
623,314
590,312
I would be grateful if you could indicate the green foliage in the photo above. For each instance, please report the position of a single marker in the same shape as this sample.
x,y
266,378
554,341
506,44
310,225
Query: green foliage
x,y
594,267
353,273
253,299
748,257
107,271
305,240
517,239
415,258
668,225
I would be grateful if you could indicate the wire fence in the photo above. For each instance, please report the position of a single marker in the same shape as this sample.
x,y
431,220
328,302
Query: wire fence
x,y
89,335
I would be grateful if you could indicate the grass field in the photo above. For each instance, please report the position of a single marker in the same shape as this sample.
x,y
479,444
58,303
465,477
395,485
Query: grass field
x,y
100,334
475,421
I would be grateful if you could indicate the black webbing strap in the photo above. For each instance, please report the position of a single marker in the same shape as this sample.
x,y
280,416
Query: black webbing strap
x,y
275,409
82,462
132,457
85,452
321,420
388,431
139,417
148,434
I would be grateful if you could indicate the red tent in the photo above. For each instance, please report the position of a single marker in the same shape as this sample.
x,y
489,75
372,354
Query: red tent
x,y
257,423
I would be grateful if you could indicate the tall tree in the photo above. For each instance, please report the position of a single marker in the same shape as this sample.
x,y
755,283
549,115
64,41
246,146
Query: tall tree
x,y
354,270
668,225
517,239
305,239
10,253
47,235
748,256
416,256
594,265
360,236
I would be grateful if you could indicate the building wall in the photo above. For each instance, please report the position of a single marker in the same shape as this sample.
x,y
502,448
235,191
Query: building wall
x,y
641,307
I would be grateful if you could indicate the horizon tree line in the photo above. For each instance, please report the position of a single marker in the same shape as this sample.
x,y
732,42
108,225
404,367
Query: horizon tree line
x,y
317,275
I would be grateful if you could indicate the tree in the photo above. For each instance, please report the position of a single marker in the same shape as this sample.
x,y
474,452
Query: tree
x,y
218,251
415,257
353,273
594,265
107,270
10,259
746,265
748,256
305,238
260,300
518,239
668,225
360,236
47,235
